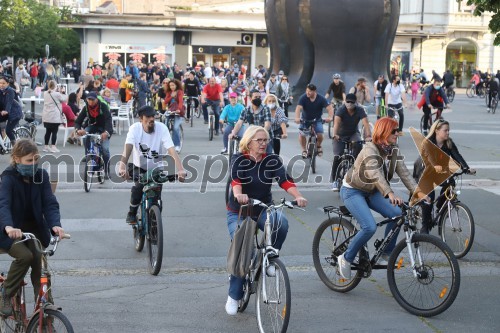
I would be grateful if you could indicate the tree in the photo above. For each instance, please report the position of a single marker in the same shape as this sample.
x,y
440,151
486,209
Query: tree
x,y
493,6
27,26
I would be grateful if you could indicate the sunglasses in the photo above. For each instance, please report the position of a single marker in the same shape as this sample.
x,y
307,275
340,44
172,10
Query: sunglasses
x,y
395,131
284,79
349,102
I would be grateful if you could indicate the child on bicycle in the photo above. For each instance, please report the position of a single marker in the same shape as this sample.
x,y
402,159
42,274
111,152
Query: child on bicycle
x,y
27,204
366,186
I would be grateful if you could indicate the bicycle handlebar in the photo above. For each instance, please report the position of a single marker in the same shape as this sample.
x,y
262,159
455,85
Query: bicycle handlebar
x,y
54,240
157,176
284,203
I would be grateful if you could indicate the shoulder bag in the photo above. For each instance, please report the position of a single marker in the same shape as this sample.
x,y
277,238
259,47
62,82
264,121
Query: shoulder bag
x,y
240,251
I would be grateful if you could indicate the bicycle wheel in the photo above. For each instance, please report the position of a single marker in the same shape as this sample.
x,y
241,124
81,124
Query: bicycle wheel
x,y
210,128
88,173
470,92
345,164
458,231
248,287
139,236
486,99
451,95
53,321
273,299
328,243
191,118
100,168
181,137
436,285
330,128
22,133
197,112
155,240
494,104
311,153
228,190
10,325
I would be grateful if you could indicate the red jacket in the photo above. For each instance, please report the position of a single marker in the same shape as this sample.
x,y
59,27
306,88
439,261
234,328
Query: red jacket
x,y
175,103
34,71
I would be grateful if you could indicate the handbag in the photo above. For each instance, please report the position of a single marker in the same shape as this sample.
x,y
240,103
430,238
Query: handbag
x,y
239,255
25,81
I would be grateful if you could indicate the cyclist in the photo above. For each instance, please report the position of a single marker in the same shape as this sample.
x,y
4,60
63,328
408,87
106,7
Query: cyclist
x,y
272,85
448,79
278,122
395,97
309,108
95,114
361,91
422,76
252,175
174,102
337,88
379,87
149,141
254,114
10,108
212,95
345,126
476,79
438,142
434,97
27,204
230,114
494,87
192,88
284,94
239,86
366,187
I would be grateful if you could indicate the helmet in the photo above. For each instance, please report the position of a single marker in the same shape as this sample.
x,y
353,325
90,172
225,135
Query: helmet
x,y
336,76
130,86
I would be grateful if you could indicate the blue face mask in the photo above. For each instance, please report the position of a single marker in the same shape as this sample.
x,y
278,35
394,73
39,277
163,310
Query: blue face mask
x,y
27,170
437,87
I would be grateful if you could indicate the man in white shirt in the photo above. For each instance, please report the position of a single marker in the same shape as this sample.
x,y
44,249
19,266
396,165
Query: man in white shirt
x,y
395,97
208,71
149,142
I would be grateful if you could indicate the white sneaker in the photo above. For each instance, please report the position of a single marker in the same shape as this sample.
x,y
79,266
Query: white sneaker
x,y
46,149
271,270
177,149
344,267
383,260
335,186
54,149
231,306
224,151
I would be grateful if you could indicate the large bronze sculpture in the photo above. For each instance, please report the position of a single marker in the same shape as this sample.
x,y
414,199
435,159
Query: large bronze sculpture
x,y
312,39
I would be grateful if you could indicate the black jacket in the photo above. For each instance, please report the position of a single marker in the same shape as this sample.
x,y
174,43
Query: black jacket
x,y
103,120
12,205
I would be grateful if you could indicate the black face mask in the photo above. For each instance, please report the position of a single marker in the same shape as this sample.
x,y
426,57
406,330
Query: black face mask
x,y
398,82
257,102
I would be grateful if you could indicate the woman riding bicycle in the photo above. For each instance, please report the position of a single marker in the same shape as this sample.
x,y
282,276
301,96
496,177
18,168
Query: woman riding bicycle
x,y
366,187
438,142
174,102
252,174
27,204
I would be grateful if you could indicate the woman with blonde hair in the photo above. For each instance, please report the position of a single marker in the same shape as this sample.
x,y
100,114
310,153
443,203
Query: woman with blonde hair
x,y
252,174
366,187
52,115
278,121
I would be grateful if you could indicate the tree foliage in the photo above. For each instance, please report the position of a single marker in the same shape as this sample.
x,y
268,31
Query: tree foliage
x,y
27,26
493,6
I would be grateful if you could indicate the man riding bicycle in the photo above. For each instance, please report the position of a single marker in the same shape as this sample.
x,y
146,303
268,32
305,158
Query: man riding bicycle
x,y
149,141
379,87
337,87
308,112
98,120
212,96
395,97
192,89
345,127
434,97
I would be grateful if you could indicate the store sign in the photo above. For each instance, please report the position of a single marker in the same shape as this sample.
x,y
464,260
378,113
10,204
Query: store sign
x,y
137,48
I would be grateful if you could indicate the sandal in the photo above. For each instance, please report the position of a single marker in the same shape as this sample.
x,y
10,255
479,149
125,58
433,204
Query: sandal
x,y
304,154
320,152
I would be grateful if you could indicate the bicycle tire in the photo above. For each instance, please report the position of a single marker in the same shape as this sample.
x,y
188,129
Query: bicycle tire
x,y
22,133
100,171
327,247
469,92
486,100
59,322
191,118
330,130
344,165
197,112
9,324
494,104
438,283
311,153
274,315
155,240
88,173
460,237
139,236
248,288
181,138
228,190
210,128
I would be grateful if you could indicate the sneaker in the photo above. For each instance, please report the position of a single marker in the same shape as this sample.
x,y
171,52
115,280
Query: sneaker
x,y
488,110
216,132
224,151
344,267
131,218
177,149
70,141
271,271
205,122
383,260
54,149
46,149
231,306
425,132
335,186
5,304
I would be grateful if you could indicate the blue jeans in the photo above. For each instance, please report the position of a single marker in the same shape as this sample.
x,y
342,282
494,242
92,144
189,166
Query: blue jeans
x,y
359,204
176,132
227,131
216,108
278,238
104,145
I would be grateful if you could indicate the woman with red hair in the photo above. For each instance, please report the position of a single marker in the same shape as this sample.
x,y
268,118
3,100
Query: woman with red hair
x,y
366,186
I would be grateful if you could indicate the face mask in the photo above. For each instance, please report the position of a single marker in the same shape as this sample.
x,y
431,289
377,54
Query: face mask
x,y
398,82
257,102
271,105
27,170
437,87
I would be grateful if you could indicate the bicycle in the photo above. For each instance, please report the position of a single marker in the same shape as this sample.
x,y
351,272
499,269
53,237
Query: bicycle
x,y
28,129
168,118
234,144
273,303
149,222
211,122
494,102
473,91
194,111
94,161
46,316
434,112
422,272
346,160
450,94
311,142
336,105
454,220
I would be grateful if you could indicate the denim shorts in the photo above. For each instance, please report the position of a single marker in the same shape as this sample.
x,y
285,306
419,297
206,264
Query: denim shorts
x,y
304,127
